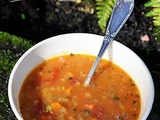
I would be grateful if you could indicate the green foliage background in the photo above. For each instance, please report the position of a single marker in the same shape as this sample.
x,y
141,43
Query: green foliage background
x,y
155,14
104,9
11,48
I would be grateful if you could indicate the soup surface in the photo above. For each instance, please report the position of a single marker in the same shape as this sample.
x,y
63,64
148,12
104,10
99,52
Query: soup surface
x,y
55,90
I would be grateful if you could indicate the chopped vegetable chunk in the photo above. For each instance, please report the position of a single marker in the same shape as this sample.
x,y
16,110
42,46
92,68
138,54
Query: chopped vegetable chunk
x,y
55,106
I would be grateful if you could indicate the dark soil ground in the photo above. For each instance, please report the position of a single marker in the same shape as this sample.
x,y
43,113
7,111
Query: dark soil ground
x,y
40,19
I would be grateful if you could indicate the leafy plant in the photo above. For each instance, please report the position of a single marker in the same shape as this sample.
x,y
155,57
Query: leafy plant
x,y
104,9
155,13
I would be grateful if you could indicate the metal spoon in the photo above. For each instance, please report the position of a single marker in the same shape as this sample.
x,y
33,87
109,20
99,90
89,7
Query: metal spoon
x,y
121,12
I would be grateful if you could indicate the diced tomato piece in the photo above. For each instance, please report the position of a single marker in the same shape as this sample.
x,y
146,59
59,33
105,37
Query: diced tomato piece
x,y
47,116
74,82
48,81
54,76
38,106
95,110
98,112
55,73
44,117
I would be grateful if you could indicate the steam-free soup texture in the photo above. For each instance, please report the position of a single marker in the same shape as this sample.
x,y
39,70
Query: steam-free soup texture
x,y
55,90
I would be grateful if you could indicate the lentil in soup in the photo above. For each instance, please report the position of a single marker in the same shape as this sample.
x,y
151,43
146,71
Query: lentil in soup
x,y
55,90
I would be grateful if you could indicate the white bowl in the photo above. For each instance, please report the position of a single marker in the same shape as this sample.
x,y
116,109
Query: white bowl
x,y
87,44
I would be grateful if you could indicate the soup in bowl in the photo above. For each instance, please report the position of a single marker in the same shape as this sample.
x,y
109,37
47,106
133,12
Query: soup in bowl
x,y
47,82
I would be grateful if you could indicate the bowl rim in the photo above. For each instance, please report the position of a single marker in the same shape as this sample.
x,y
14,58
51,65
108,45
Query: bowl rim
x,y
10,95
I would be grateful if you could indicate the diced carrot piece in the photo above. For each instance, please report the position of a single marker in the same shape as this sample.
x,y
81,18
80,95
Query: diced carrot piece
x,y
70,74
89,106
122,107
71,118
55,106
68,91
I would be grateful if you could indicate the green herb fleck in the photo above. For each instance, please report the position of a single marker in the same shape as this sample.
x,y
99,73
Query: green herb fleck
x,y
86,111
134,115
94,74
134,102
48,108
70,78
111,67
116,97
71,54
22,16
61,68
74,109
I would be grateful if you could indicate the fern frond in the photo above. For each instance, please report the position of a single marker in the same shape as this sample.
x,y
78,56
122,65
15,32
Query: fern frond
x,y
152,3
104,10
157,31
155,14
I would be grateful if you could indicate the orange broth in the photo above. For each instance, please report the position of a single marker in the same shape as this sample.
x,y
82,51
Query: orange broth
x,y
55,90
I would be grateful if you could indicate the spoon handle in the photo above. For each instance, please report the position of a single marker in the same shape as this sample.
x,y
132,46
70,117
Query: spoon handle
x,y
121,12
